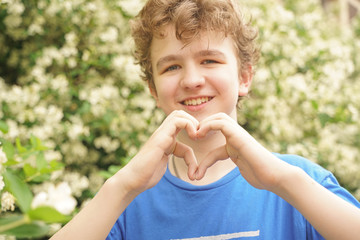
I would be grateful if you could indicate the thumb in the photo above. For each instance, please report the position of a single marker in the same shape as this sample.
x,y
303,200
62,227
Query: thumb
x,y
211,158
183,151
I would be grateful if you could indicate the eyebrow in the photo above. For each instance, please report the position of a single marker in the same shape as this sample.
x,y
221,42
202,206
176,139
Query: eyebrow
x,y
203,53
166,59
210,53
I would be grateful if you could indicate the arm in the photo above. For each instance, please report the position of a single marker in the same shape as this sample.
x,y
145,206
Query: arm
x,y
331,216
141,173
97,218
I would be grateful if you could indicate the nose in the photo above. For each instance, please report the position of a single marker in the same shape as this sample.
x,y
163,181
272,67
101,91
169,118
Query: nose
x,y
192,78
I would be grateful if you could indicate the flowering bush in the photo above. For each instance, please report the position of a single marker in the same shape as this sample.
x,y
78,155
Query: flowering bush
x,y
305,94
67,76
20,167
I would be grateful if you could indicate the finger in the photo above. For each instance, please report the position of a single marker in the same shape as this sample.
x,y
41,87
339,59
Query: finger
x,y
165,136
181,120
220,121
182,114
183,151
215,155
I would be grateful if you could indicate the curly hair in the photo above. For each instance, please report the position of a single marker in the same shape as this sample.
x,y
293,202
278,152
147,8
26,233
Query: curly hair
x,y
190,18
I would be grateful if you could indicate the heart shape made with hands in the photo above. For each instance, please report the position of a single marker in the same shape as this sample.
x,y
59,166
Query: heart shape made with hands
x,y
227,140
216,127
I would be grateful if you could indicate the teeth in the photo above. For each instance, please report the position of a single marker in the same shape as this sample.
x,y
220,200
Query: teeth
x,y
197,101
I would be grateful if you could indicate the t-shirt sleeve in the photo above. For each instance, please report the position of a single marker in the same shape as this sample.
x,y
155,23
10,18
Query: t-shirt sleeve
x,y
117,232
330,183
323,177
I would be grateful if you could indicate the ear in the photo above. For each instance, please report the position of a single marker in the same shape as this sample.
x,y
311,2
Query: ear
x,y
153,92
245,79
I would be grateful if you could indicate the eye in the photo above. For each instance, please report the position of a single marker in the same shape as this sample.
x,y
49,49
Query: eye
x,y
172,68
209,61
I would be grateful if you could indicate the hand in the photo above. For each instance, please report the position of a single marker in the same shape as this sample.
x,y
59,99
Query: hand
x,y
257,165
149,165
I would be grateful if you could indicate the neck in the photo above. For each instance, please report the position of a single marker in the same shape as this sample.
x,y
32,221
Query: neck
x,y
201,148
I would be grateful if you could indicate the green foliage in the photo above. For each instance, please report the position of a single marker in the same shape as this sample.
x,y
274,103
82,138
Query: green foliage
x,y
48,215
23,166
19,190
305,92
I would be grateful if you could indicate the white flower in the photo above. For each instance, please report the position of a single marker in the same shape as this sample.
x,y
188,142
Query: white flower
x,y
54,228
77,128
68,51
16,8
35,29
58,197
91,7
298,82
71,62
7,237
131,7
86,56
7,202
71,39
2,184
110,35
3,158
5,2
77,182
60,83
12,21
107,143
53,155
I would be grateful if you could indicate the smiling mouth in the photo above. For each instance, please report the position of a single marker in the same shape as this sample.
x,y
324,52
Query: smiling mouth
x,y
196,101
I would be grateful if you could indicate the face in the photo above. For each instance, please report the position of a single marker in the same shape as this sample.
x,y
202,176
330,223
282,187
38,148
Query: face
x,y
201,78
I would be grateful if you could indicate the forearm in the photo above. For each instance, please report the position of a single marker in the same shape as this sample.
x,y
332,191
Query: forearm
x,y
96,219
331,216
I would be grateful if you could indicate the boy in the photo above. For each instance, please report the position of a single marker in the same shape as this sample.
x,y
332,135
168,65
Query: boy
x,y
201,175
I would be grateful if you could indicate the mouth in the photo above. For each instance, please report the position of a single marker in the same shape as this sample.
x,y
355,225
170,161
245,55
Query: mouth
x,y
196,101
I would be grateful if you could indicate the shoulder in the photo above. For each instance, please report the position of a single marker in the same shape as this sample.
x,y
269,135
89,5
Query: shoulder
x,y
313,169
321,175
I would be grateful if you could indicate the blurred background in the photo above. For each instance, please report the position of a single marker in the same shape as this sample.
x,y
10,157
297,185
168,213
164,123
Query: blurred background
x,y
73,109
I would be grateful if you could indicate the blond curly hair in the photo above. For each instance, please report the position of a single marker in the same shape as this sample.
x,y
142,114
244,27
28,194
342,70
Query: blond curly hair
x,y
190,18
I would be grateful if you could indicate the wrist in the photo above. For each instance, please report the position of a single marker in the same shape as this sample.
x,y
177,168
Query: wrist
x,y
288,185
119,185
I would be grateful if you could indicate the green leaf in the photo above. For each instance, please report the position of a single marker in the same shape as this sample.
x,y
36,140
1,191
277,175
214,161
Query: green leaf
x,y
85,108
48,215
29,170
4,127
105,174
111,171
19,189
20,147
41,161
31,230
11,162
41,178
8,149
56,165
12,221
37,144
324,118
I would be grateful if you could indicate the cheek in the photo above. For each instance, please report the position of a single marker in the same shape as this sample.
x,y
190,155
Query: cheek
x,y
165,90
165,95
228,83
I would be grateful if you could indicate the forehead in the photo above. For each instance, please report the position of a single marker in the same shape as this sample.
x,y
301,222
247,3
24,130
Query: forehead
x,y
206,42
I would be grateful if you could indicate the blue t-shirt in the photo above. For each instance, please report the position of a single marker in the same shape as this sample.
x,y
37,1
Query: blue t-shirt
x,y
229,208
